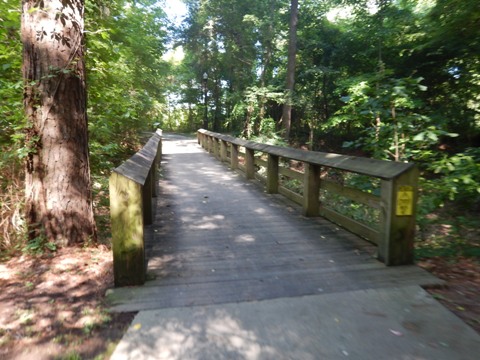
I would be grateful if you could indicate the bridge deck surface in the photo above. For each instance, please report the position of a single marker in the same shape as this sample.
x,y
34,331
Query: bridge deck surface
x,y
218,239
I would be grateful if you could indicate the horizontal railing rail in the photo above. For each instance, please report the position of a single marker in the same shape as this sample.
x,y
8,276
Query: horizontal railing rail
x,y
132,187
393,199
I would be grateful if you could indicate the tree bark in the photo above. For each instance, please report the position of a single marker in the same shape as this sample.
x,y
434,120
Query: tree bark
x,y
58,189
292,54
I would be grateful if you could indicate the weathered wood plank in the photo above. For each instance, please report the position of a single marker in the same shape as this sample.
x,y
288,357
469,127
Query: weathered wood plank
x,y
291,195
138,166
297,175
366,166
353,194
350,224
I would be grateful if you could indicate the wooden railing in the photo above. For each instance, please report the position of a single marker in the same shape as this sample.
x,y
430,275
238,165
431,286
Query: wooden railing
x,y
394,200
132,186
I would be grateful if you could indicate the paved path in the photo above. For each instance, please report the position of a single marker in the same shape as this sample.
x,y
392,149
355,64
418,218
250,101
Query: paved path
x,y
239,274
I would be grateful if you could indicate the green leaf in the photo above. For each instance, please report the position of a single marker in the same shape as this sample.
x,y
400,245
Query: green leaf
x,y
419,137
432,136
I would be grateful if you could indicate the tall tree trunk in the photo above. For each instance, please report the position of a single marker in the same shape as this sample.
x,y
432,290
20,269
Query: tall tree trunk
x,y
292,53
58,191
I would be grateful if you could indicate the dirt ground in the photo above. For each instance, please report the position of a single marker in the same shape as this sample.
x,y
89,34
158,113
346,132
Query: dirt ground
x,y
461,295
51,307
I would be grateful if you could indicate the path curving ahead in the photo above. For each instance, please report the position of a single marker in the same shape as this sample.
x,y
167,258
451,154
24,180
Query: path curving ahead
x,y
239,274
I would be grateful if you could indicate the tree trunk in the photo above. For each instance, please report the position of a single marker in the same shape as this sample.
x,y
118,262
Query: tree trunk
x,y
292,53
58,192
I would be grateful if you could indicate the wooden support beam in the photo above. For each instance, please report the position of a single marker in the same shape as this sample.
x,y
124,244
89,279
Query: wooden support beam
x,y
272,174
311,192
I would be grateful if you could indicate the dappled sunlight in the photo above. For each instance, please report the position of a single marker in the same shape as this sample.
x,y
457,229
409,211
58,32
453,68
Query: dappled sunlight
x,y
213,217
245,238
260,211
228,333
207,333
204,223
204,226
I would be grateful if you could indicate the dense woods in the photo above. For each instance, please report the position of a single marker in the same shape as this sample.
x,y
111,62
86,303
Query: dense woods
x,y
390,79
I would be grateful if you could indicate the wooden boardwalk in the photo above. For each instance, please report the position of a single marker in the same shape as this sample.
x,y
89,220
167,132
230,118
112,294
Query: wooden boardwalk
x,y
218,238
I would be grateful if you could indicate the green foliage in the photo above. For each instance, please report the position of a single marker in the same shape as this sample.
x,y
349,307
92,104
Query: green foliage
x,y
457,178
125,76
10,73
389,117
39,245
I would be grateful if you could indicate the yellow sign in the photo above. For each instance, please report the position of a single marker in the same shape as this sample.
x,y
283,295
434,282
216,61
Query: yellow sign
x,y
405,201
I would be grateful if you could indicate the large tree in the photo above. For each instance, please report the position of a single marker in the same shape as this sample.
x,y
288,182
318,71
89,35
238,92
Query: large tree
x,y
58,195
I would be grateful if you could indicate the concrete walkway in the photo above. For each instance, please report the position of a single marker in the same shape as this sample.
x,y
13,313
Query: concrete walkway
x,y
239,275
394,324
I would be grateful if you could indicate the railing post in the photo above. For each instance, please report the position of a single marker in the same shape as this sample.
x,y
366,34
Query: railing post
x,y
147,195
156,164
126,211
216,151
397,219
272,174
311,190
234,156
223,150
249,163
210,144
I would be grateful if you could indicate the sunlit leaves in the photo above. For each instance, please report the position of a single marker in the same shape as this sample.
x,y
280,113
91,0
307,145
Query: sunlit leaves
x,y
126,74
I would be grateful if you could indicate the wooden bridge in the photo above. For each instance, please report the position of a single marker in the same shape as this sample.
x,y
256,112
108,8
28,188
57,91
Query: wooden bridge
x,y
214,236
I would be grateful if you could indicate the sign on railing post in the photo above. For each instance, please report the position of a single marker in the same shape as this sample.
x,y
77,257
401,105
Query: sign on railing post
x,y
397,218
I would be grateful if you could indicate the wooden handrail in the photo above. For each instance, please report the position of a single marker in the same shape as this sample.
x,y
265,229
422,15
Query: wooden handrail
x,y
132,186
396,202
